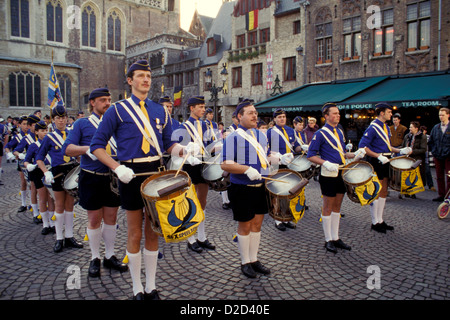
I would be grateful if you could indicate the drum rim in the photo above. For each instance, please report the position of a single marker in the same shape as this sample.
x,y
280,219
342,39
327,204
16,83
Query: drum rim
x,y
157,175
288,196
71,173
303,156
401,158
351,164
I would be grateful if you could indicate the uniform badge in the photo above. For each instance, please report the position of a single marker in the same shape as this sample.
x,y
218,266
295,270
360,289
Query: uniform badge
x,y
158,125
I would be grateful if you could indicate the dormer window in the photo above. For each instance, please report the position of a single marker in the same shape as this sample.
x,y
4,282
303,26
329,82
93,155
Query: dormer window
x,y
211,47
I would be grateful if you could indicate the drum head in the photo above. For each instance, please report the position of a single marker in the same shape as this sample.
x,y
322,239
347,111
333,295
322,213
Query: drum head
x,y
290,178
402,163
363,172
211,170
300,164
71,180
153,184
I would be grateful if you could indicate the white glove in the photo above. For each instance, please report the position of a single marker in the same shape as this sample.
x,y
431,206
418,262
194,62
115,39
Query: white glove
x,y
360,153
21,156
253,174
193,161
349,147
406,150
124,174
10,156
192,148
383,159
48,177
332,167
305,147
286,158
90,155
31,167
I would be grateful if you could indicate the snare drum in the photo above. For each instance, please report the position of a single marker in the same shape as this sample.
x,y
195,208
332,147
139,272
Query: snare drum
x,y
360,175
175,223
218,180
281,193
71,182
24,169
398,165
49,188
302,165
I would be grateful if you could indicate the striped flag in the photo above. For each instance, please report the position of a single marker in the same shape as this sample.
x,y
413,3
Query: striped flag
x,y
251,20
177,96
54,92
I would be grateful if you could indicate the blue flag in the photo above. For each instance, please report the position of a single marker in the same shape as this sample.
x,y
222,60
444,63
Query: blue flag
x,y
54,92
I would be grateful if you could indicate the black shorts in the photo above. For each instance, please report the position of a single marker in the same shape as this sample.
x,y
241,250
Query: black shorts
x,y
58,185
331,186
382,170
36,176
195,173
1,148
130,193
247,201
95,191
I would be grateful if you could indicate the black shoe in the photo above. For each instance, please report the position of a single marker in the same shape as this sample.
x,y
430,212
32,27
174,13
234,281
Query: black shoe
x,y
94,268
386,227
438,199
340,244
52,229
114,263
45,231
329,245
152,295
289,225
378,228
22,209
37,220
206,244
306,208
139,296
58,247
258,267
248,270
226,206
72,243
413,196
195,247
280,226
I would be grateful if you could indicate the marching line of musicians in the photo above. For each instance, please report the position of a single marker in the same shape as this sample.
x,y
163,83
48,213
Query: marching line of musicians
x,y
128,138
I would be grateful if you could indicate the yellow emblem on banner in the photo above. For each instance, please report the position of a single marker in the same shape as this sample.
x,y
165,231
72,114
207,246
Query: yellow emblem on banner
x,y
411,182
368,192
180,216
297,206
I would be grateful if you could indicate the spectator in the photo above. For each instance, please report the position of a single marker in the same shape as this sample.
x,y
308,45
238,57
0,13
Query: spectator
x,y
311,128
397,131
439,144
428,178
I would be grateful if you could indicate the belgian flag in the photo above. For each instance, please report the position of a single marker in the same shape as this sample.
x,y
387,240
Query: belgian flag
x,y
177,96
251,20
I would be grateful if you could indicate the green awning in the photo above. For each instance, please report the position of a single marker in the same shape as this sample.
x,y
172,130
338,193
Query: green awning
x,y
312,97
405,91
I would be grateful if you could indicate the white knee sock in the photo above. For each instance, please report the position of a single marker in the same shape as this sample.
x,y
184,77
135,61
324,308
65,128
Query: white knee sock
x,y
59,225
150,263
380,209
255,239
95,236
374,211
109,237
335,217
326,225
225,197
50,216
45,219
244,248
134,265
23,197
191,239
69,224
201,231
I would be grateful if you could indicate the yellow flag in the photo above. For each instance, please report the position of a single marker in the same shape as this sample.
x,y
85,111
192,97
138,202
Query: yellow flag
x,y
411,182
368,192
180,216
297,206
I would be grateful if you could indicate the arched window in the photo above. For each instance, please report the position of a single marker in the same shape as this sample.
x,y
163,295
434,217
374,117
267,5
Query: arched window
x,y
24,89
54,21
89,23
114,31
20,18
324,35
65,85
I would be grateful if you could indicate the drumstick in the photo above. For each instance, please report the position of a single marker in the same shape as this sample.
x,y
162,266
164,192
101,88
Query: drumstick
x,y
182,164
276,180
342,168
145,173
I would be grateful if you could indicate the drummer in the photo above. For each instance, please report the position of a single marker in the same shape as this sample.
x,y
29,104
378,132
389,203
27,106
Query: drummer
x,y
282,140
211,125
196,131
168,105
61,166
132,157
376,142
46,202
246,156
300,135
94,184
327,149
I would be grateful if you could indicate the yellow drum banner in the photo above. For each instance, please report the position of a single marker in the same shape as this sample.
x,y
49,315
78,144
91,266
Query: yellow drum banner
x,y
368,192
297,206
411,182
180,216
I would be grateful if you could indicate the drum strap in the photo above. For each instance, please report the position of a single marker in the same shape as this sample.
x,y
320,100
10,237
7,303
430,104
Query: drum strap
x,y
29,139
195,136
57,139
341,152
274,128
18,137
47,156
259,149
383,135
95,122
211,128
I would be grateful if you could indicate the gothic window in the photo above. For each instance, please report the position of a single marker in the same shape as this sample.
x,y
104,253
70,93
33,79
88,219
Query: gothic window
x,y
114,31
88,34
54,21
65,85
20,18
24,89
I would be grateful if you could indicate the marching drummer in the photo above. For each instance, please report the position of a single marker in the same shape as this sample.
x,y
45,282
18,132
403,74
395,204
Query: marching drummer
x,y
327,149
282,140
376,142
94,184
300,135
246,156
195,131
61,166
211,125
168,105
142,134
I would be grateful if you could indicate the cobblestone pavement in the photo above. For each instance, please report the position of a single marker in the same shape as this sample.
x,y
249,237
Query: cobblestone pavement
x,y
413,260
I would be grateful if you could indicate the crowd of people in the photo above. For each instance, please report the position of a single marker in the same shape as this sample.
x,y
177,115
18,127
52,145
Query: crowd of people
x,y
118,145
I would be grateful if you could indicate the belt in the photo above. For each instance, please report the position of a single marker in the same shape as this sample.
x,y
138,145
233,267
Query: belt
x,y
255,185
144,159
97,173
